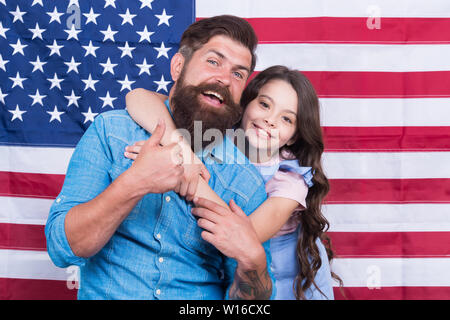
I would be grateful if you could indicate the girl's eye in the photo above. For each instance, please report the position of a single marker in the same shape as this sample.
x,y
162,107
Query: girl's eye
x,y
264,105
288,120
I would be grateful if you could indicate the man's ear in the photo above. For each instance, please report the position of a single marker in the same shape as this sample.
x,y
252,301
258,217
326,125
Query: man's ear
x,y
176,65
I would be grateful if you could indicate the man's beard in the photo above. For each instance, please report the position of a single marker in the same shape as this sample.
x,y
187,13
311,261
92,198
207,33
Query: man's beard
x,y
189,108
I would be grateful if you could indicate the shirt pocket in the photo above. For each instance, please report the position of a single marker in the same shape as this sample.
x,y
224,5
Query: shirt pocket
x,y
116,171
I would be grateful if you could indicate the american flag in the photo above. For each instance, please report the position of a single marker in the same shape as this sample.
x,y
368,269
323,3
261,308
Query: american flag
x,y
380,68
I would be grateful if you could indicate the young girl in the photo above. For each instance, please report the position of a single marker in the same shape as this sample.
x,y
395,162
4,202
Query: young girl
x,y
284,141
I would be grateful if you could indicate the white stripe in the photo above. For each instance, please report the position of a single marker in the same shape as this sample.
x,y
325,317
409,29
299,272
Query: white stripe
x,y
21,264
35,160
387,217
393,272
386,165
320,8
24,210
385,112
354,57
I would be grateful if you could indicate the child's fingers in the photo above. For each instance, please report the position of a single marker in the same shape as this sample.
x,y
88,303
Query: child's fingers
x,y
139,143
130,155
133,149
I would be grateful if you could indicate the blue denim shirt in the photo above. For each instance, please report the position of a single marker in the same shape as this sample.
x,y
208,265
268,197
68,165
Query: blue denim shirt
x,y
157,252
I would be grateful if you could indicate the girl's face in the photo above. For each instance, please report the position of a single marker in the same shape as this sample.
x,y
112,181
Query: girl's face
x,y
269,121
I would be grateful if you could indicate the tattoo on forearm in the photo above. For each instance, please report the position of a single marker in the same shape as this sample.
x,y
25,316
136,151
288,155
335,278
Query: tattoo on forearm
x,y
250,286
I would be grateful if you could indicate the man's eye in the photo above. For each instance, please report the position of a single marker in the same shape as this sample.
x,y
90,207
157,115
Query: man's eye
x,y
238,75
213,62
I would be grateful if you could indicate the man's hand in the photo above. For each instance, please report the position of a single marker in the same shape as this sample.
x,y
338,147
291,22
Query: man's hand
x,y
157,169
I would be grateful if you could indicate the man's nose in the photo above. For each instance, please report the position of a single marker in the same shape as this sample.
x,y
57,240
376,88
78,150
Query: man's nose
x,y
224,78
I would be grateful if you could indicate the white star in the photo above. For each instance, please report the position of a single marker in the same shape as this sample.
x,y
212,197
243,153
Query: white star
x,y
38,2
126,50
126,84
90,49
111,3
89,116
146,3
55,114
127,17
73,99
162,51
37,65
55,15
2,96
73,2
18,47
3,30
17,81
145,34
17,114
55,81
18,15
90,83
163,18
54,48
109,34
162,84
72,33
144,67
108,66
37,32
107,100
3,63
91,16
73,66
37,98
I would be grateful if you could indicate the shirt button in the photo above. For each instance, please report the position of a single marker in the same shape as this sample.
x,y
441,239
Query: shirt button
x,y
167,199
161,259
158,292
158,236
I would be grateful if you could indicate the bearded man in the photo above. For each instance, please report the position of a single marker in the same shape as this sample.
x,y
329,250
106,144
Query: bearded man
x,y
121,221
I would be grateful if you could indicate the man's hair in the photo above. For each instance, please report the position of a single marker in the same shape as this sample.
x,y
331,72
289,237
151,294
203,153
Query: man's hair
x,y
201,31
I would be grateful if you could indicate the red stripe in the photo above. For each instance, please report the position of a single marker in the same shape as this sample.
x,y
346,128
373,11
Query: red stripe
x,y
31,289
393,293
391,244
353,84
22,236
35,185
389,191
387,138
351,30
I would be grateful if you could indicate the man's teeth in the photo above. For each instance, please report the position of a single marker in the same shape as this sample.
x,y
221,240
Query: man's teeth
x,y
215,94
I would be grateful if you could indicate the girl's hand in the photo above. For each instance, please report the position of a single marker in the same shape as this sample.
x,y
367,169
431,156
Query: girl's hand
x,y
193,170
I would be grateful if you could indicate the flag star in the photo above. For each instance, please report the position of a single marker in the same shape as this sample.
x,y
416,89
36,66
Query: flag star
x,y
54,48
90,49
145,34
111,3
18,47
3,30
73,99
73,2
17,81
89,116
109,34
17,113
37,32
108,66
162,51
3,63
126,50
126,84
146,3
163,18
2,96
162,84
55,81
37,2
55,114
107,100
18,15
55,15
73,66
37,98
144,67
91,16
90,83
127,17
72,32
37,65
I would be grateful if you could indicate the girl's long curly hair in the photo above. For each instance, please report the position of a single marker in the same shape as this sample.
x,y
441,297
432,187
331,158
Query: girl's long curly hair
x,y
307,148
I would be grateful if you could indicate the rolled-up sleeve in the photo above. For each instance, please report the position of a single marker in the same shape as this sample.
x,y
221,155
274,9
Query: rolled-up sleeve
x,y
86,177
